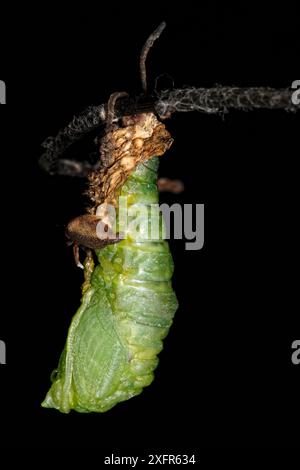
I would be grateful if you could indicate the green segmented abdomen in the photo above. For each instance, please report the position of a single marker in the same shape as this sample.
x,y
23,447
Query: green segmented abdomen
x,y
117,333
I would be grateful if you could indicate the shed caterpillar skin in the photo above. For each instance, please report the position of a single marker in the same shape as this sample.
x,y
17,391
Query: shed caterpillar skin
x,y
126,311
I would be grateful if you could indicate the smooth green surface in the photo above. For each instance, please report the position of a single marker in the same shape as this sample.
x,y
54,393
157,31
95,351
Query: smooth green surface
x,y
115,336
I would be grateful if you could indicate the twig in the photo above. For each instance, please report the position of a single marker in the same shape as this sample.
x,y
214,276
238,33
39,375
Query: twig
x,y
221,99
111,106
216,100
170,185
144,53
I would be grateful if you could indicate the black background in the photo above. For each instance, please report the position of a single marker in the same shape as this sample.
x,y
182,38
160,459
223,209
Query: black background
x,y
225,377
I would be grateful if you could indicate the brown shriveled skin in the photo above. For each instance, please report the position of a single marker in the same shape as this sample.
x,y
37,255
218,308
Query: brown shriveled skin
x,y
122,148
139,138
82,230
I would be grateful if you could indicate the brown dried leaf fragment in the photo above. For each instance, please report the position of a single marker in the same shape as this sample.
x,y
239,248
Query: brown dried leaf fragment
x,y
139,138
83,231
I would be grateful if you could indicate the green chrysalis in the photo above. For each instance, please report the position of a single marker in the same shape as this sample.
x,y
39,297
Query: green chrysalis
x,y
126,310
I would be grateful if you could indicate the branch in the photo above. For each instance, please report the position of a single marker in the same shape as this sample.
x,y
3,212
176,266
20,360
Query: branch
x,y
216,100
222,99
